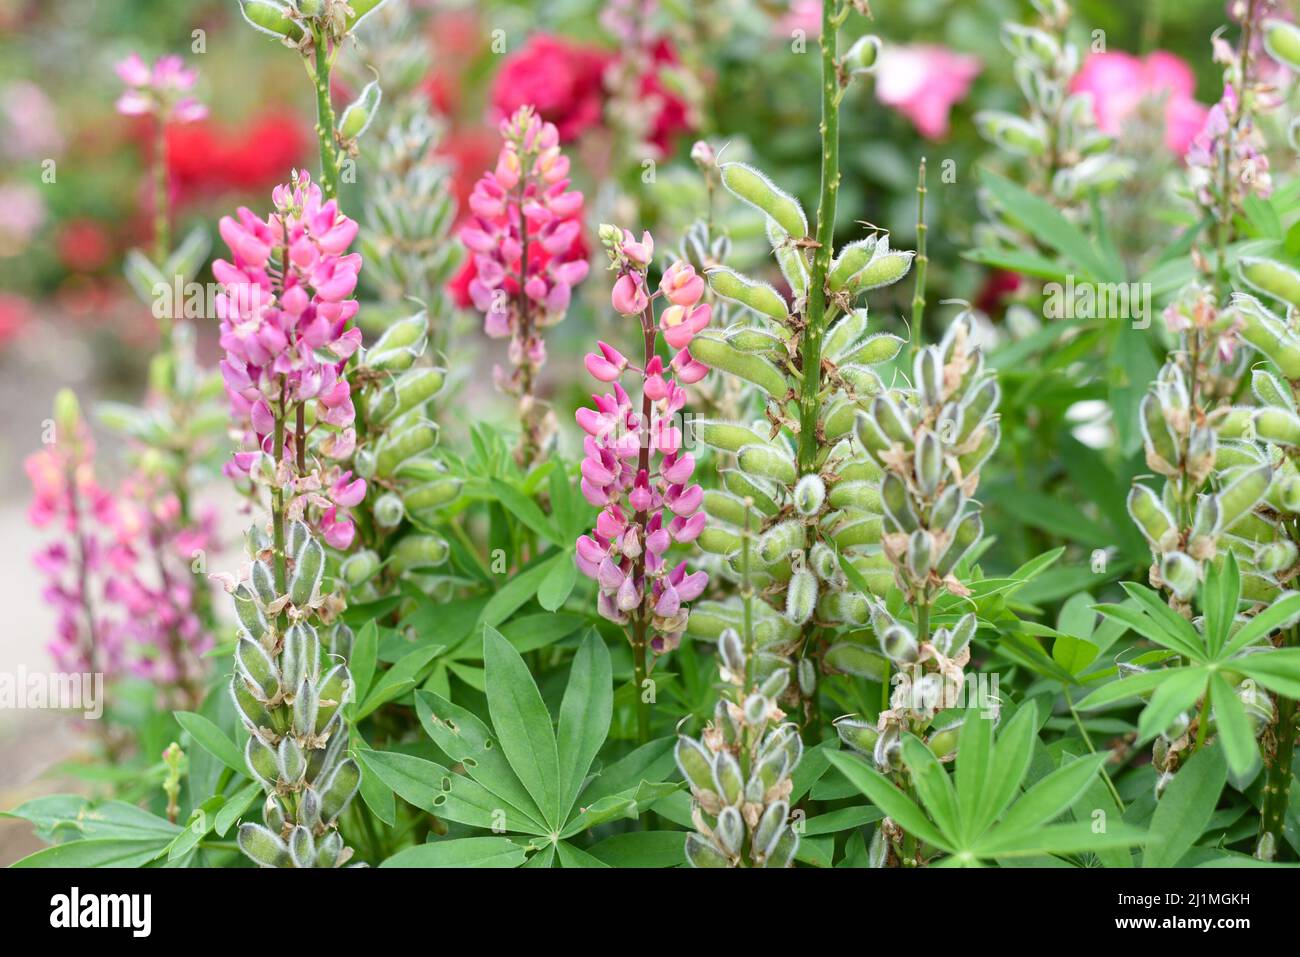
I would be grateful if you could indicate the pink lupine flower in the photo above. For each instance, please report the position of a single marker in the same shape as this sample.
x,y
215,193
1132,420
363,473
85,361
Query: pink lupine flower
x,y
923,83
524,238
159,90
1119,82
285,308
635,470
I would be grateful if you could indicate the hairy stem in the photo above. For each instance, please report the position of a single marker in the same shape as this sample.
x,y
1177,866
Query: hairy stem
x,y
1275,798
922,260
329,155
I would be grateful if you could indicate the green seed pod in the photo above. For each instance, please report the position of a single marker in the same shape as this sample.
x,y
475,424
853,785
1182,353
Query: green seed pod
x,y
411,389
783,852
418,551
695,764
407,335
749,339
892,420
270,18
273,812
248,611
308,569
1269,390
1242,494
975,408
743,486
929,463
838,419
1150,516
719,541
920,552
863,470
971,462
779,541
857,734
1252,527
862,532
255,667
856,495
967,533
701,853
943,743
809,495
899,644
885,269
846,331
769,828
754,188
261,580
251,711
852,259
710,619
726,436
1180,573
1011,133
823,562
788,256
1258,588
1282,41
358,567
331,693
959,636
855,659
300,657
882,347
1289,495
305,707
337,792
731,651
431,495
356,119
406,444
1263,330
1279,426
896,503
1276,556
766,461
718,354
261,761
863,380
389,510
329,850
1234,422
724,507
863,56
870,436
258,843
751,293
775,683
727,779
947,508
801,596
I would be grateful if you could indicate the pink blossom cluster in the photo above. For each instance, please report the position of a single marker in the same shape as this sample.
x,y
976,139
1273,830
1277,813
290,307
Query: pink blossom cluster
x,y
159,90
524,235
1119,83
284,308
119,578
635,468
1229,132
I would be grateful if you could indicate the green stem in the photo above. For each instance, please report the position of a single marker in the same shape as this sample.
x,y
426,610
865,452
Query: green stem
x,y
329,155
1275,799
922,260
1087,739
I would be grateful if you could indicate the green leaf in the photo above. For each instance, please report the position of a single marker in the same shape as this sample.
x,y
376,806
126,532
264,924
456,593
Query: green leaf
x,y
585,714
234,809
625,804
571,856
1050,797
888,798
1175,632
1125,687
1011,756
1234,729
1185,808
642,849
1219,597
399,679
559,581
97,852
522,723
1074,838
361,664
932,785
415,780
213,740
460,852
1177,693
1046,224
60,817
1263,624
518,590
1278,670
974,768
525,509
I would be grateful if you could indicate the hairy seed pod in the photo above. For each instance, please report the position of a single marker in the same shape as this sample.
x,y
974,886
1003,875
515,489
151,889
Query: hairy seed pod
x,y
338,789
929,463
1180,573
329,852
431,495
801,596
291,761
920,551
724,507
732,652
852,658
857,734
717,540
309,567
248,611
793,266
257,670
406,337
358,567
865,531
727,779
837,421
1271,278
885,269
417,552
754,188
862,495
408,443
846,331
899,644
807,674
261,580
758,491
261,846
1279,426
1150,516
702,853
1242,494
749,339
389,510
779,541
783,852
967,533
882,347
809,495
852,259
766,461
755,295
262,761
718,354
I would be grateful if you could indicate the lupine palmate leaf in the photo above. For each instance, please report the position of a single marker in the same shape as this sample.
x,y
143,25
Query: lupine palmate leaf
x,y
1177,693
585,713
888,798
522,723
460,852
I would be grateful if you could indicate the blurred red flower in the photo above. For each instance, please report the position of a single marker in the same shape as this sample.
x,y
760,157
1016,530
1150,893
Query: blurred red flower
x,y
204,160
673,117
15,312
83,245
562,80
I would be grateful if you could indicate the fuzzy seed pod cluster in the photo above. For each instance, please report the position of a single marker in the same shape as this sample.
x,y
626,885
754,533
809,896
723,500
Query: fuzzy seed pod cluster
x,y
927,696
814,494
740,770
930,441
290,684
1058,136
396,455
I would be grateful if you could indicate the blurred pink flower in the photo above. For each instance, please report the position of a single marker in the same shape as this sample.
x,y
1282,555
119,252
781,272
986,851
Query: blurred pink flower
x,y
1119,82
923,82
159,89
